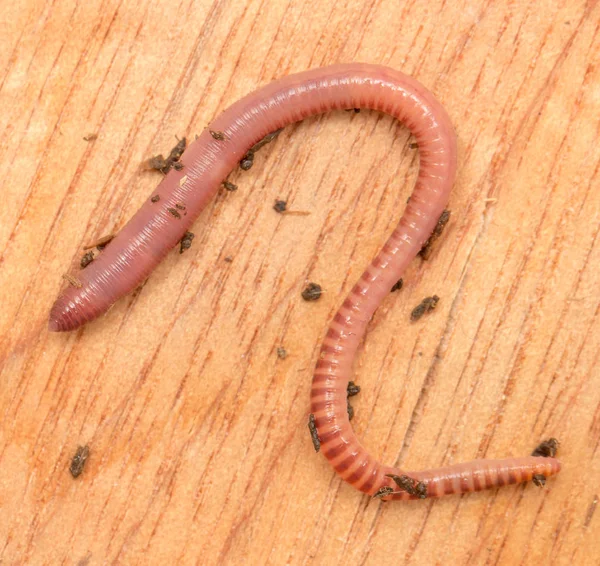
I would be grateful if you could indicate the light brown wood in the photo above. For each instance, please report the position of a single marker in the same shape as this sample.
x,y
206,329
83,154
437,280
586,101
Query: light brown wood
x,y
199,449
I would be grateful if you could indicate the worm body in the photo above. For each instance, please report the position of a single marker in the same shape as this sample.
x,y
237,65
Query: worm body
x,y
154,230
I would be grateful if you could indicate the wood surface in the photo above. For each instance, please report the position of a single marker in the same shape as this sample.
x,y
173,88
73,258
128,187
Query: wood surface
x,y
199,449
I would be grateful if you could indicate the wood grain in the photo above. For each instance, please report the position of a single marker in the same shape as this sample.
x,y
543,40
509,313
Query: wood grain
x,y
199,450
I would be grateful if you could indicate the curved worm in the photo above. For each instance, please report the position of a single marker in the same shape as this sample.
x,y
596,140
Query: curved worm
x,y
159,225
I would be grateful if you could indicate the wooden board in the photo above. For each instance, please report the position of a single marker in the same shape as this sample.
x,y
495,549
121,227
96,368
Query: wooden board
x,y
199,450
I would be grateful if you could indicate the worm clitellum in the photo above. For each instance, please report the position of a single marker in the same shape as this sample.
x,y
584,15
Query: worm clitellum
x,y
161,223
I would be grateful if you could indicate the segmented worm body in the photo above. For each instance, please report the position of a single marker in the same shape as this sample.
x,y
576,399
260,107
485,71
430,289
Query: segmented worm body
x,y
164,218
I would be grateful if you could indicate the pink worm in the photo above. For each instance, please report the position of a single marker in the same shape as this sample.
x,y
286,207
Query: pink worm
x,y
154,231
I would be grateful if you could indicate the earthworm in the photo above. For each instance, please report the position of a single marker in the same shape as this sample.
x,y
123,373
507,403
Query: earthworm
x,y
161,222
